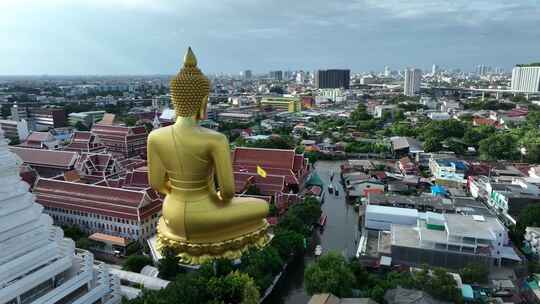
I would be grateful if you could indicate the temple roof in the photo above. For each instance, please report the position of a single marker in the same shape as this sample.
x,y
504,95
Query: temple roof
x,y
45,157
266,158
118,202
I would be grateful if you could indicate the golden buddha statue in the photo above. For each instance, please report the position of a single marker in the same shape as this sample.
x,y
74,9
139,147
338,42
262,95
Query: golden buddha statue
x,y
198,222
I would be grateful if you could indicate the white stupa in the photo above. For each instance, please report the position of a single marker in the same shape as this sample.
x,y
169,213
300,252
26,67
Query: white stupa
x,y
37,264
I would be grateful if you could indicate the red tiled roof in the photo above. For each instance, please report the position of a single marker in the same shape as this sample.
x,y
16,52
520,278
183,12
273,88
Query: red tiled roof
x,y
52,158
316,190
480,121
266,158
38,136
518,112
117,202
298,162
269,185
81,136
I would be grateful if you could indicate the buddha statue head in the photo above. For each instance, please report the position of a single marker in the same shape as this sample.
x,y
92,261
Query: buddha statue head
x,y
190,89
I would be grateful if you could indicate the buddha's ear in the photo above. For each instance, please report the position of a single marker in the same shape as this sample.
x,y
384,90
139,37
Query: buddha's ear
x,y
202,110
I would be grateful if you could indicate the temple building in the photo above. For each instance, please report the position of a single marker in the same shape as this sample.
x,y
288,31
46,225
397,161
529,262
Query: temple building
x,y
286,170
122,141
95,191
84,142
124,207
37,264
40,140
47,163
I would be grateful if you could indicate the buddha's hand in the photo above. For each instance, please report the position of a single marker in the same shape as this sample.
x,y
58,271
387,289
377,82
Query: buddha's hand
x,y
168,187
221,198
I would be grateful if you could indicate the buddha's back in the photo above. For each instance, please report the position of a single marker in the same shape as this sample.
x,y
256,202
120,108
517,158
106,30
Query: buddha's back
x,y
186,152
198,223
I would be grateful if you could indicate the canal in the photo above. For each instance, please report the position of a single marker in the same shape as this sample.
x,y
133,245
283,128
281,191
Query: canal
x,y
339,235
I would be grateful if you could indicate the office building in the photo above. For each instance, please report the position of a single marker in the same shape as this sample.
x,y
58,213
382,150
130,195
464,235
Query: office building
x,y
247,74
15,129
37,264
276,75
411,86
19,112
332,79
290,104
526,79
43,119
88,119
434,69
450,240
483,69
387,71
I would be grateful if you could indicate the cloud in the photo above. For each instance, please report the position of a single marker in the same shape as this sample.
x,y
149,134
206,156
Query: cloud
x,y
130,36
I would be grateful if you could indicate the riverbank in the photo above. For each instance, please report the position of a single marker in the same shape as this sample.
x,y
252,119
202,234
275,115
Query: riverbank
x,y
340,234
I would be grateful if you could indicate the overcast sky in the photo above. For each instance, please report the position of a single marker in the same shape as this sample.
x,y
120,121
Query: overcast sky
x,y
150,36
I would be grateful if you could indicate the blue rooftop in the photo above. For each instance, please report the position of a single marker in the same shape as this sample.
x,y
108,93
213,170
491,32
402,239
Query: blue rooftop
x,y
467,292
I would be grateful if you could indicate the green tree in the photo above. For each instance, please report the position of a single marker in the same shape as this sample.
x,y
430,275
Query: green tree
x,y
329,274
377,294
288,243
235,287
168,265
473,136
474,273
136,263
293,223
499,146
13,141
6,110
81,127
360,113
529,216
531,142
360,273
262,266
533,119
432,145
130,120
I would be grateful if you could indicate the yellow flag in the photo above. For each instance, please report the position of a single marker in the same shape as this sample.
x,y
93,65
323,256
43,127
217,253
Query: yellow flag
x,y
261,171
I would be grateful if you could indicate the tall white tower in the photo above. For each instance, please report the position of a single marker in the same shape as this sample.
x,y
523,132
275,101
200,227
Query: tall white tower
x,y
526,79
413,77
37,264
387,71
434,69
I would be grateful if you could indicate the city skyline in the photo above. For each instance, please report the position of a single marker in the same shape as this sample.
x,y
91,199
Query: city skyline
x,y
120,37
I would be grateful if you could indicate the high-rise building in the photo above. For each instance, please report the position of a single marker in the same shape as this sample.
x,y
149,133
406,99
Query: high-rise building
x,y
37,264
413,77
333,79
526,78
387,71
276,75
483,69
247,74
434,69
300,77
287,75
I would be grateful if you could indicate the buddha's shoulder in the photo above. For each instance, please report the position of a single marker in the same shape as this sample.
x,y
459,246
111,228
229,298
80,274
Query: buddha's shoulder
x,y
211,134
160,133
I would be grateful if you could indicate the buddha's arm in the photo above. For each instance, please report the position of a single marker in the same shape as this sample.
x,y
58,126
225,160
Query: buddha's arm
x,y
221,155
157,175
